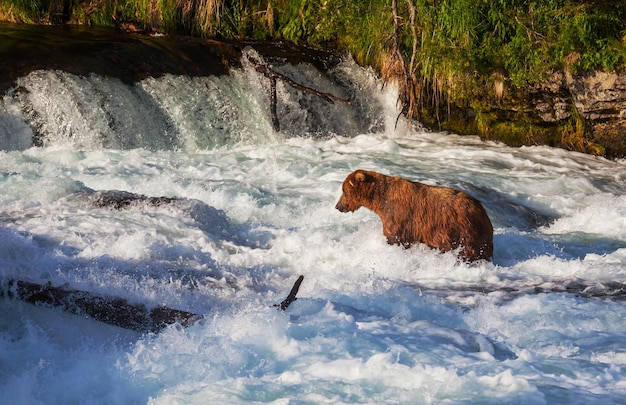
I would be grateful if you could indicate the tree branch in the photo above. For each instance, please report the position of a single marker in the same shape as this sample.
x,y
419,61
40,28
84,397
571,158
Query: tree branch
x,y
273,75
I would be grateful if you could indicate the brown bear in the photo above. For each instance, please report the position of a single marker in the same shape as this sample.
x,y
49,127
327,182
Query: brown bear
x,y
440,217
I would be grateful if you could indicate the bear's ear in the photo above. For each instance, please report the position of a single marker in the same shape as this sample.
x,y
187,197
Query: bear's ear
x,y
359,176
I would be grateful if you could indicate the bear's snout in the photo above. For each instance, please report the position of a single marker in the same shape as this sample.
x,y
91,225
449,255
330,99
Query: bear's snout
x,y
342,206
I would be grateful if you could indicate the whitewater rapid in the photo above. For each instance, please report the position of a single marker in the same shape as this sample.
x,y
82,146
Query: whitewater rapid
x,y
253,210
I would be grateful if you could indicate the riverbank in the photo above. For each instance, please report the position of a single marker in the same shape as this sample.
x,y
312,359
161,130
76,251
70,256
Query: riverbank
x,y
583,112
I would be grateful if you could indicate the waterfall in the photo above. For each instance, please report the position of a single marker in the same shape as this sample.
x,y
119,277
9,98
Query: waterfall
x,y
176,112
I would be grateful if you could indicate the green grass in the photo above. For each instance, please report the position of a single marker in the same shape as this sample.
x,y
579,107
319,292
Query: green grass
x,y
448,39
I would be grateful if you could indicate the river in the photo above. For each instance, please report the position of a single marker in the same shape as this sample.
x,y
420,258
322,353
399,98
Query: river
x,y
250,209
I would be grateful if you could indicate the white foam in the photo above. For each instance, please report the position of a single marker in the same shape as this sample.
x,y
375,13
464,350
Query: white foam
x,y
603,215
373,323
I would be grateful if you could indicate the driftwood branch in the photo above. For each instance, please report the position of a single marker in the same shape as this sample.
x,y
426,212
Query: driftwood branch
x,y
273,75
292,295
112,310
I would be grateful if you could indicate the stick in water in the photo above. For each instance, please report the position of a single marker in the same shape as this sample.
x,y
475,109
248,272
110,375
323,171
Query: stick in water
x,y
292,295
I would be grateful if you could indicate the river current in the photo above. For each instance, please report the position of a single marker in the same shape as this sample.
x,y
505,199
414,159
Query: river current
x,y
252,209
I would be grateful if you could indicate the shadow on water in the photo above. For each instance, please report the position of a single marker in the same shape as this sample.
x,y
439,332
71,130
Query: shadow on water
x,y
513,247
210,220
521,237
41,269
509,211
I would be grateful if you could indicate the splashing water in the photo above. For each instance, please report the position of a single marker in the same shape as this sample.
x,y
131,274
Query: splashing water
x,y
251,210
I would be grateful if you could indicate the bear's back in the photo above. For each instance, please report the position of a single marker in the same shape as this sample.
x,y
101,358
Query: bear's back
x,y
440,217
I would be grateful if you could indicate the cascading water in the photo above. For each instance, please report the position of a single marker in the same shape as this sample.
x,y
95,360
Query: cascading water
x,y
180,112
246,210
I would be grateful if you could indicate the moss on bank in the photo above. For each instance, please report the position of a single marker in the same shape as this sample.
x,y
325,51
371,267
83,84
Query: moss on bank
x,y
461,64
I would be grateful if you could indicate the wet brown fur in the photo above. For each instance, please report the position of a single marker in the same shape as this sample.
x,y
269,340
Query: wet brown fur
x,y
412,212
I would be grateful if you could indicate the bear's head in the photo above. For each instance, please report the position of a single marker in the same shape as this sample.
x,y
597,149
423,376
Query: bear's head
x,y
358,191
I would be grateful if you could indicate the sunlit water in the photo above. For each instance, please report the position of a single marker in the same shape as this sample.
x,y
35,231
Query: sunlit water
x,y
373,323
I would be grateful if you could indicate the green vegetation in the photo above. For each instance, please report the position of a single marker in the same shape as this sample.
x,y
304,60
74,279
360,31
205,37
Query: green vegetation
x,y
440,52
446,38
